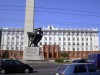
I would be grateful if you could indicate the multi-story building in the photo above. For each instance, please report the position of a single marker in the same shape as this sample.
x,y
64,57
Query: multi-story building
x,y
67,39
12,39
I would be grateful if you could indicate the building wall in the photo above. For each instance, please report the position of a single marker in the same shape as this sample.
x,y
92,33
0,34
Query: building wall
x,y
11,54
12,39
51,51
71,40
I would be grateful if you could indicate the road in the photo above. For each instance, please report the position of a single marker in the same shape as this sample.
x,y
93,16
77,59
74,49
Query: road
x,y
40,69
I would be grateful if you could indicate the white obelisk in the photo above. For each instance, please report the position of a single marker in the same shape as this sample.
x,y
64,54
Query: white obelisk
x,y
29,20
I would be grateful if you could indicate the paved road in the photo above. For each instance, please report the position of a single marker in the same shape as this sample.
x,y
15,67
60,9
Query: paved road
x,y
40,69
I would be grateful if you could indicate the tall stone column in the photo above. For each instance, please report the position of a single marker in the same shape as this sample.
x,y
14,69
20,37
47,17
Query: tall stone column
x,y
29,19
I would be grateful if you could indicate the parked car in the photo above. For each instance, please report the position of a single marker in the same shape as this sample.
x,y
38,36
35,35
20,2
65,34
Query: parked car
x,y
8,65
79,61
94,59
77,69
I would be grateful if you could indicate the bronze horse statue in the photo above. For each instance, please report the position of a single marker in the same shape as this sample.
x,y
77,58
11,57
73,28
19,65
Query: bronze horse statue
x,y
35,37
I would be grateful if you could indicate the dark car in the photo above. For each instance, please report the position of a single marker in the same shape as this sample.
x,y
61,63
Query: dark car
x,y
79,61
14,66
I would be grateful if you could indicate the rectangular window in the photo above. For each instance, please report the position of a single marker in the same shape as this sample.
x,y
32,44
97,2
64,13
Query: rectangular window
x,y
77,39
12,43
17,37
59,38
86,39
7,48
64,38
64,43
45,38
73,39
54,43
12,38
17,42
21,43
50,38
22,38
12,48
69,38
40,43
21,48
16,48
50,43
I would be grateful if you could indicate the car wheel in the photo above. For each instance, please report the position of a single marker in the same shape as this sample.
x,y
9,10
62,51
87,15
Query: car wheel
x,y
2,71
27,70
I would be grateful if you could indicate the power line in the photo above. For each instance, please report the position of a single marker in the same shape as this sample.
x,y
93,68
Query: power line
x,y
68,13
20,20
52,12
53,8
69,10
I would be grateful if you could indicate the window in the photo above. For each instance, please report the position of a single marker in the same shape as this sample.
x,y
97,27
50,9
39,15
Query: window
x,y
16,48
12,48
82,44
68,38
64,38
64,43
21,48
8,43
12,43
68,48
59,38
21,43
86,43
45,43
8,33
73,39
8,38
91,68
7,48
68,43
80,69
86,39
50,38
73,43
62,68
91,39
54,43
82,39
45,38
17,37
22,38
50,43
12,38
77,39
17,42
78,43
17,63
40,43
73,49
78,50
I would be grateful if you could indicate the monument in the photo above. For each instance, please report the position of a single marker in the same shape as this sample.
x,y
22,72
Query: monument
x,y
31,37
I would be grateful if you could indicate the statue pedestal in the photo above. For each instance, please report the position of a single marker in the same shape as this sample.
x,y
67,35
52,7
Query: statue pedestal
x,y
32,53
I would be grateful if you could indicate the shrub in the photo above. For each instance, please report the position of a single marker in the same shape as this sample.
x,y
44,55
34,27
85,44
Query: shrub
x,y
59,60
67,61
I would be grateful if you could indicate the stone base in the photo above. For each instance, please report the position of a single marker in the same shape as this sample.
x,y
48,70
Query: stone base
x,y
32,53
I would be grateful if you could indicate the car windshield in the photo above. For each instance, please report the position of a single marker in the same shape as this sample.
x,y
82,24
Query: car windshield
x,y
79,61
91,67
61,68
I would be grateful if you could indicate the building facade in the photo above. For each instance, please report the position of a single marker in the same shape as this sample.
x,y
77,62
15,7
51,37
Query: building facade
x,y
86,40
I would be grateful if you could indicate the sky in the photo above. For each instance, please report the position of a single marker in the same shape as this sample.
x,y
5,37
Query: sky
x,y
59,13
